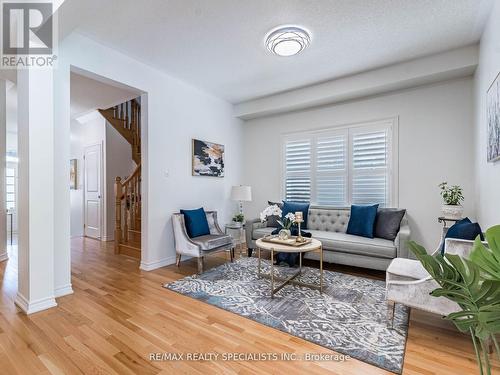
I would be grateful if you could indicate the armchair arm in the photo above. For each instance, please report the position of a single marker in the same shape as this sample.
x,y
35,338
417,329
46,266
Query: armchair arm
x,y
183,244
408,282
250,226
402,239
213,224
460,247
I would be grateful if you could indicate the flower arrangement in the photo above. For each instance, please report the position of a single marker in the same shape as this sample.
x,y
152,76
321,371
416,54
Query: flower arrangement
x,y
286,222
273,210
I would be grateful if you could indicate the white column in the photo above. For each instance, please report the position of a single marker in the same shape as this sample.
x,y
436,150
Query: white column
x,y
62,210
36,190
3,138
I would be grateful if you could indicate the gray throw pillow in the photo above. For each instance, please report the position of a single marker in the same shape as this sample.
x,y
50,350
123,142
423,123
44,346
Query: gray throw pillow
x,y
272,221
387,223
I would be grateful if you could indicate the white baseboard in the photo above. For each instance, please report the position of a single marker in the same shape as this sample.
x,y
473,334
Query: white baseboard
x,y
63,291
150,266
4,256
35,306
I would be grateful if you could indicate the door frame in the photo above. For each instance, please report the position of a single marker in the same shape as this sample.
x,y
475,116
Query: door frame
x,y
102,187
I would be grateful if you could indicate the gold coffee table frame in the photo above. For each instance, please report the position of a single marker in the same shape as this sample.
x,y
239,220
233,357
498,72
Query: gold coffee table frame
x,y
315,245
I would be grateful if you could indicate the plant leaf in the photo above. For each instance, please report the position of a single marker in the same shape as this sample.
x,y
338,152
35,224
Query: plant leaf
x,y
488,259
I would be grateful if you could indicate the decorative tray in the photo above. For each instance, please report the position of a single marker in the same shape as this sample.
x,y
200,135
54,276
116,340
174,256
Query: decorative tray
x,y
292,241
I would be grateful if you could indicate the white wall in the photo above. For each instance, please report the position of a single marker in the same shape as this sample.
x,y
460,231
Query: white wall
x,y
118,163
76,196
90,131
435,144
175,112
487,174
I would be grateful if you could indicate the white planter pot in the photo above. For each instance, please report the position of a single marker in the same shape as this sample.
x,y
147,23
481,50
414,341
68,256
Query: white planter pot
x,y
284,234
452,212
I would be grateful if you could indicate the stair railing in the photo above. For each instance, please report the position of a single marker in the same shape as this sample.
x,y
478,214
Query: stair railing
x,y
127,206
126,118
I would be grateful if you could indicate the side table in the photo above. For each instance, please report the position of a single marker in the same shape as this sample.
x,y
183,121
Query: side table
x,y
238,234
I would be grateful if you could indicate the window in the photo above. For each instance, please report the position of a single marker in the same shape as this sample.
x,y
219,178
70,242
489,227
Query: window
x,y
341,166
10,186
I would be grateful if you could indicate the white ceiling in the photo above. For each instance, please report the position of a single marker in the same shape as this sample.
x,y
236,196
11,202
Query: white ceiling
x,y
88,94
218,45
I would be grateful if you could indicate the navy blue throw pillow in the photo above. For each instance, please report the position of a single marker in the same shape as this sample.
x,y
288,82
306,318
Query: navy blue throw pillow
x,y
463,230
294,207
362,220
196,222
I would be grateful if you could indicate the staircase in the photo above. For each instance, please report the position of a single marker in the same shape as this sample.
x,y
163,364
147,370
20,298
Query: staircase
x,y
126,119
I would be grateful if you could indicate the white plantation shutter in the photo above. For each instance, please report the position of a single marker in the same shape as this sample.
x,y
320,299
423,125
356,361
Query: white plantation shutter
x,y
331,170
339,167
370,166
298,170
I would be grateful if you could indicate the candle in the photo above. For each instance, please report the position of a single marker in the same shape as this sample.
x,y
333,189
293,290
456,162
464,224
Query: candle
x,y
298,217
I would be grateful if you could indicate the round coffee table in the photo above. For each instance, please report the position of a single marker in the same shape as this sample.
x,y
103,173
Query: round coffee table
x,y
314,245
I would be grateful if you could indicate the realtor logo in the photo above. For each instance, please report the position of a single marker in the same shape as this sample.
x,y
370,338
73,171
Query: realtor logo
x,y
27,34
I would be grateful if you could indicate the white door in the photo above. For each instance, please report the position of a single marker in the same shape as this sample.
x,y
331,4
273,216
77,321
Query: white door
x,y
93,187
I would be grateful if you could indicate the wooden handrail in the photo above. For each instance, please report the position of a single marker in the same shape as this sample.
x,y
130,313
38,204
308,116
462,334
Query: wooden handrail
x,y
135,173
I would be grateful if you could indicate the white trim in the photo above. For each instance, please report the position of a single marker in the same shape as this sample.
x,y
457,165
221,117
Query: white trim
x,y
35,306
395,162
63,290
150,266
4,257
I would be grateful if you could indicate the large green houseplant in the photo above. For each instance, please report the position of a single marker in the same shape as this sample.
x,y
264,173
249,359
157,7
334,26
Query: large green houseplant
x,y
474,284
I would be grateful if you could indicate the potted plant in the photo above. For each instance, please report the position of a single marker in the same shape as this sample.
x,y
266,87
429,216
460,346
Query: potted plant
x,y
474,284
286,223
239,219
452,198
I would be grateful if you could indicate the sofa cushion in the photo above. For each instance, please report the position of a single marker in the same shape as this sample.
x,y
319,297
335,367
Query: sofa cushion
x,y
262,232
196,222
362,220
328,219
212,241
293,207
388,222
348,243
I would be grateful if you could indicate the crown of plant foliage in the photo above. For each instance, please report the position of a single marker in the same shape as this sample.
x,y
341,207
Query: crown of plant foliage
x,y
452,195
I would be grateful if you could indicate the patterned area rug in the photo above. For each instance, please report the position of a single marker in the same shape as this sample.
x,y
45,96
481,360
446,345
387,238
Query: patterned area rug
x,y
349,317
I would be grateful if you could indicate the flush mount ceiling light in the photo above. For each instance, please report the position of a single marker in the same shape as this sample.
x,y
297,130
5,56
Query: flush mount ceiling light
x,y
287,40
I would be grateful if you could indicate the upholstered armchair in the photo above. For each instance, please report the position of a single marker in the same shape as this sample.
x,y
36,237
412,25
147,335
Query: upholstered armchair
x,y
201,246
408,283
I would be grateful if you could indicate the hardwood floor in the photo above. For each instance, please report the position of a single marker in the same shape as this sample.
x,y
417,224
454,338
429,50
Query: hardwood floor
x,y
119,315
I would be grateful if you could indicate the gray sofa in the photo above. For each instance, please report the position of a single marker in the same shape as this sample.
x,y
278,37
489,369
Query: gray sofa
x,y
329,225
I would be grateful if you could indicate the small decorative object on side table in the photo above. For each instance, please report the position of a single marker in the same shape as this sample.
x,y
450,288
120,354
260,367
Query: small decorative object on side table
x,y
452,199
